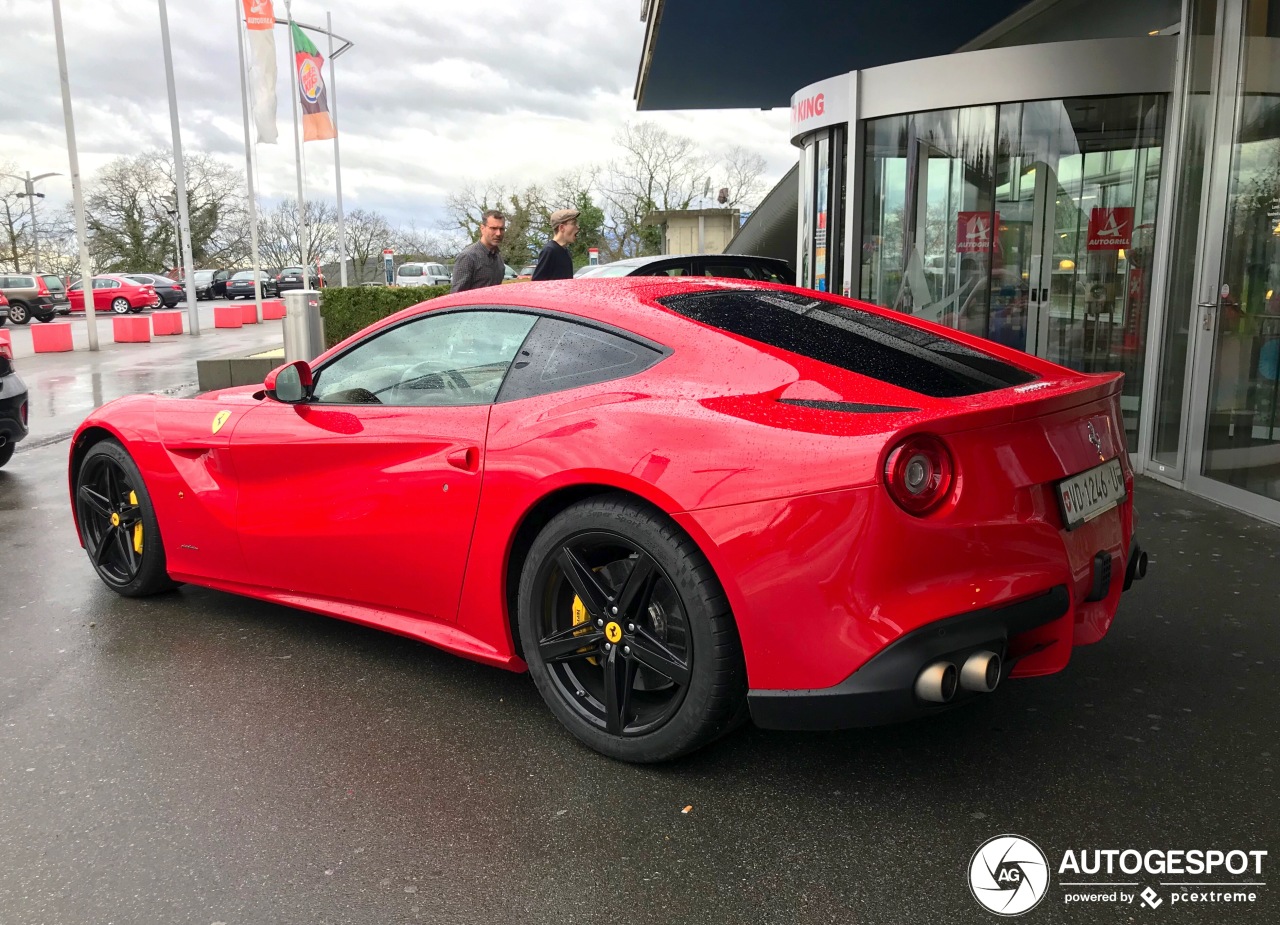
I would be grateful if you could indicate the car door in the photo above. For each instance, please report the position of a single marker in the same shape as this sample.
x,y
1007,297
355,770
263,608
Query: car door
x,y
367,492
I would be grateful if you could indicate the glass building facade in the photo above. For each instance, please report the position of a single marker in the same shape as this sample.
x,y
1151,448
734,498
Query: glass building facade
x,y
1107,204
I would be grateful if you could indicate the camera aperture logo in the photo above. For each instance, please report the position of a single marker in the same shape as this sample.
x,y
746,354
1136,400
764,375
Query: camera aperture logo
x,y
1009,875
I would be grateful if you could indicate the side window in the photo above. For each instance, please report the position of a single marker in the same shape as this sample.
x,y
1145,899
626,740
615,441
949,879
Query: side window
x,y
664,269
729,271
560,355
459,358
75,287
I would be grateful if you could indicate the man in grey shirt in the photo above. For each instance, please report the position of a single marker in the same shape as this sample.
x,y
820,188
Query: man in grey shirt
x,y
480,264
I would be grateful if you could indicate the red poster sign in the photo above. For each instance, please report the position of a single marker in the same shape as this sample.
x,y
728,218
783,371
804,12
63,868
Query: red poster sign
x,y
1110,228
973,231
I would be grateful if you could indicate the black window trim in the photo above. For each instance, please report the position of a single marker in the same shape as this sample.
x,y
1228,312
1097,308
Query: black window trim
x,y
568,317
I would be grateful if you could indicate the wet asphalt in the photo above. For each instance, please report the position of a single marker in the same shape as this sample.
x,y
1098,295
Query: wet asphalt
x,y
202,758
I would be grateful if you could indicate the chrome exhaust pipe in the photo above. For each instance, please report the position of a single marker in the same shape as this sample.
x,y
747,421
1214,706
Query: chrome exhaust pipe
x,y
981,672
937,683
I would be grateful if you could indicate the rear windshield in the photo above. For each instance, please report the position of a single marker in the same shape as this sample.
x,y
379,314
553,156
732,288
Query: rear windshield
x,y
849,338
54,283
408,270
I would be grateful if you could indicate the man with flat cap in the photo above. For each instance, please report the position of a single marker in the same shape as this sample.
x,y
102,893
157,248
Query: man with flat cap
x,y
555,261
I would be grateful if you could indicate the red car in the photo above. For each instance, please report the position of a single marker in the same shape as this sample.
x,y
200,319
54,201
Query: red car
x,y
118,294
672,502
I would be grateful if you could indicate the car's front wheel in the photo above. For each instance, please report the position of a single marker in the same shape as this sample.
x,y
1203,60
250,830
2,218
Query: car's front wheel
x,y
118,523
628,634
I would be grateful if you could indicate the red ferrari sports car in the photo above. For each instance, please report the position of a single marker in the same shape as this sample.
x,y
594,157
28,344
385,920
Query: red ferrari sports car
x,y
676,503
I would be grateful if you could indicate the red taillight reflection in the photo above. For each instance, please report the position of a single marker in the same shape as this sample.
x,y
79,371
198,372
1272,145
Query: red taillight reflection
x,y
6,352
23,413
919,474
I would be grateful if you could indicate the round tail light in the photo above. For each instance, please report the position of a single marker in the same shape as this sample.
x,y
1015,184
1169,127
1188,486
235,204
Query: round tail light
x,y
919,474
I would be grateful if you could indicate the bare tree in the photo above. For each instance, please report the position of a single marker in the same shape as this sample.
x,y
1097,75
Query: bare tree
x,y
413,243
656,170
129,206
526,211
15,221
278,233
367,234
742,173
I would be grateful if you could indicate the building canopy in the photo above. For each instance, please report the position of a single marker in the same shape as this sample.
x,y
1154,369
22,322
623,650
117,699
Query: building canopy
x,y
739,54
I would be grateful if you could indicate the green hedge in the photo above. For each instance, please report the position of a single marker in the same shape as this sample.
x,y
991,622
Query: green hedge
x,y
350,309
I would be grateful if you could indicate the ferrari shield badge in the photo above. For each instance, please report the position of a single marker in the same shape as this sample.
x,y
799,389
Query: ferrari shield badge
x,y
219,419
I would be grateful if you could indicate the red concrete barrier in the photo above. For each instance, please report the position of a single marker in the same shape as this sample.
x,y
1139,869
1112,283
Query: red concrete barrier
x,y
228,316
131,329
250,313
51,338
272,309
163,323
5,338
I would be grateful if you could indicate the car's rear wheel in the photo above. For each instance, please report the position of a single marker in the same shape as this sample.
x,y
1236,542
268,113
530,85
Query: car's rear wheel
x,y
6,452
628,634
44,319
120,305
118,523
18,313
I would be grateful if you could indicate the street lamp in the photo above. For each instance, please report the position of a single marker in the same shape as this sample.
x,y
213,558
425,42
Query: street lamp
x,y
31,195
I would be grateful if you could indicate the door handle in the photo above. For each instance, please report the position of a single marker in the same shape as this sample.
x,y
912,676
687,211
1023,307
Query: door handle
x,y
1044,296
468,459
1209,308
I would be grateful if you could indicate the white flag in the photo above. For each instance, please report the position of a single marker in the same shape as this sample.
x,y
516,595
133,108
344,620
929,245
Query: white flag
x,y
260,21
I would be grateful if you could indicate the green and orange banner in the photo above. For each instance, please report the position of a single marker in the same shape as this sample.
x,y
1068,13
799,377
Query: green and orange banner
x,y
316,124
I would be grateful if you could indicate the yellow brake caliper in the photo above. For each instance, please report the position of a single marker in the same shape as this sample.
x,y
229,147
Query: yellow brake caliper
x,y
580,618
137,528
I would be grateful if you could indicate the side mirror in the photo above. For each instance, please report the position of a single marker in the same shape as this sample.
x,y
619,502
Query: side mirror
x,y
290,383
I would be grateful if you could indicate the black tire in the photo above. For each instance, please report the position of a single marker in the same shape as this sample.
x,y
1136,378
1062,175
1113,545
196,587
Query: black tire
x,y
19,313
111,502
614,597
6,452
44,319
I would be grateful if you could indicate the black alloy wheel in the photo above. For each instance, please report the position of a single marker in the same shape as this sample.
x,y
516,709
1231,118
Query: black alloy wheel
x,y
628,634
117,523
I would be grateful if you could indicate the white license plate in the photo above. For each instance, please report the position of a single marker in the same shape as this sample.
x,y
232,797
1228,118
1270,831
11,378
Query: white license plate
x,y
1083,497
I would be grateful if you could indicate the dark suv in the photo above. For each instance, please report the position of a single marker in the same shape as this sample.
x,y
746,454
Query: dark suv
x,y
34,295
13,404
211,284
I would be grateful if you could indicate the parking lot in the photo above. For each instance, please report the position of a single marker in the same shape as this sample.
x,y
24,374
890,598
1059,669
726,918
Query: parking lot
x,y
199,757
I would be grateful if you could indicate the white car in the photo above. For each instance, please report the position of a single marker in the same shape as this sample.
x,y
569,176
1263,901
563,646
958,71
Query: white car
x,y
423,274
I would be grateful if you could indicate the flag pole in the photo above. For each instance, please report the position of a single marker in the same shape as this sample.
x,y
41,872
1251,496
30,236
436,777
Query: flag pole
x,y
77,191
248,167
337,156
297,146
179,176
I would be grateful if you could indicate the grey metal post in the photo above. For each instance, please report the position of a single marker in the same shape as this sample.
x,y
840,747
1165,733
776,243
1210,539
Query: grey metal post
x,y
179,176
297,146
337,156
248,169
77,190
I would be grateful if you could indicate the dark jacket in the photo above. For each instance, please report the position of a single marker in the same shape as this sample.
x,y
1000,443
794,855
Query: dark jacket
x,y
555,262
477,267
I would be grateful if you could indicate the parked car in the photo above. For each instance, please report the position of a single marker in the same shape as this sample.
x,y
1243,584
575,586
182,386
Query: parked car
x,y
675,503
13,403
30,296
527,272
112,292
240,286
211,284
590,269
169,290
423,274
58,290
722,266
291,278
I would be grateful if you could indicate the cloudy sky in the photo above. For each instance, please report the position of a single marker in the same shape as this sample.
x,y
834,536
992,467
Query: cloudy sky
x,y
432,94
